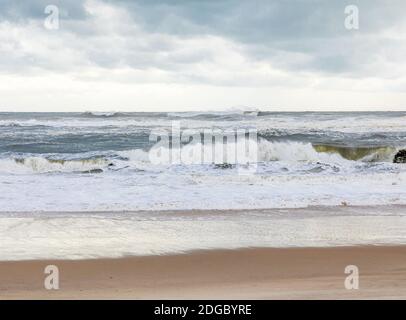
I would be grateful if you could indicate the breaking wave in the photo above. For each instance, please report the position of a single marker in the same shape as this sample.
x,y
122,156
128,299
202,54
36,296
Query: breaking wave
x,y
268,151
364,154
43,165
240,152
95,114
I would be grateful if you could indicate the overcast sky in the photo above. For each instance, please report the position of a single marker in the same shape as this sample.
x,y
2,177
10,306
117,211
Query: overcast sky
x,y
161,55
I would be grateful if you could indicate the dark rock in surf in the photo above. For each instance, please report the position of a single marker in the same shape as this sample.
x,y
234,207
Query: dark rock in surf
x,y
223,166
93,171
400,157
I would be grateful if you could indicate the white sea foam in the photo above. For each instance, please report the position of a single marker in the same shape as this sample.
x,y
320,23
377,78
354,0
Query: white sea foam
x,y
201,187
93,236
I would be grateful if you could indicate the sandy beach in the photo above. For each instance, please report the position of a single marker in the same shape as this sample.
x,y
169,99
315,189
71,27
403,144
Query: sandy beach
x,y
268,273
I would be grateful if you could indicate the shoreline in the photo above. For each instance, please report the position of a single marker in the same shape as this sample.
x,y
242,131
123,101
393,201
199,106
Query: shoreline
x,y
342,209
254,273
59,236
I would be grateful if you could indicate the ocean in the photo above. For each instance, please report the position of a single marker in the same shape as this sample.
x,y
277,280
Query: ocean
x,y
99,162
90,175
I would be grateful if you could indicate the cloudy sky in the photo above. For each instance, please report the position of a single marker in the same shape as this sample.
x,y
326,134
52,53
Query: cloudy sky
x,y
150,55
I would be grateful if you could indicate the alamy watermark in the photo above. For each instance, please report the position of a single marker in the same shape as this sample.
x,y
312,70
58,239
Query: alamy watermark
x,y
351,282
51,281
224,148
51,21
351,21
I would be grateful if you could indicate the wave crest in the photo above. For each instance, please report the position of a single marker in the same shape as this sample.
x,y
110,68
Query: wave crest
x,y
97,114
239,152
43,165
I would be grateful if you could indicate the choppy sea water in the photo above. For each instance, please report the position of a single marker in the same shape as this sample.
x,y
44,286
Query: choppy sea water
x,y
100,162
72,178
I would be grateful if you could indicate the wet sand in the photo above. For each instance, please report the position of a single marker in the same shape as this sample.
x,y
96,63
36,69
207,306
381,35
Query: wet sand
x,y
259,273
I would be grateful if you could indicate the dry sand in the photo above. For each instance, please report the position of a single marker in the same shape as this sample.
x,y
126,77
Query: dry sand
x,y
290,273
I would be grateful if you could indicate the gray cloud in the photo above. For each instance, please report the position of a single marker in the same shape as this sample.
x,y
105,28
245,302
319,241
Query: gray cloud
x,y
275,28
261,20
21,11
290,35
